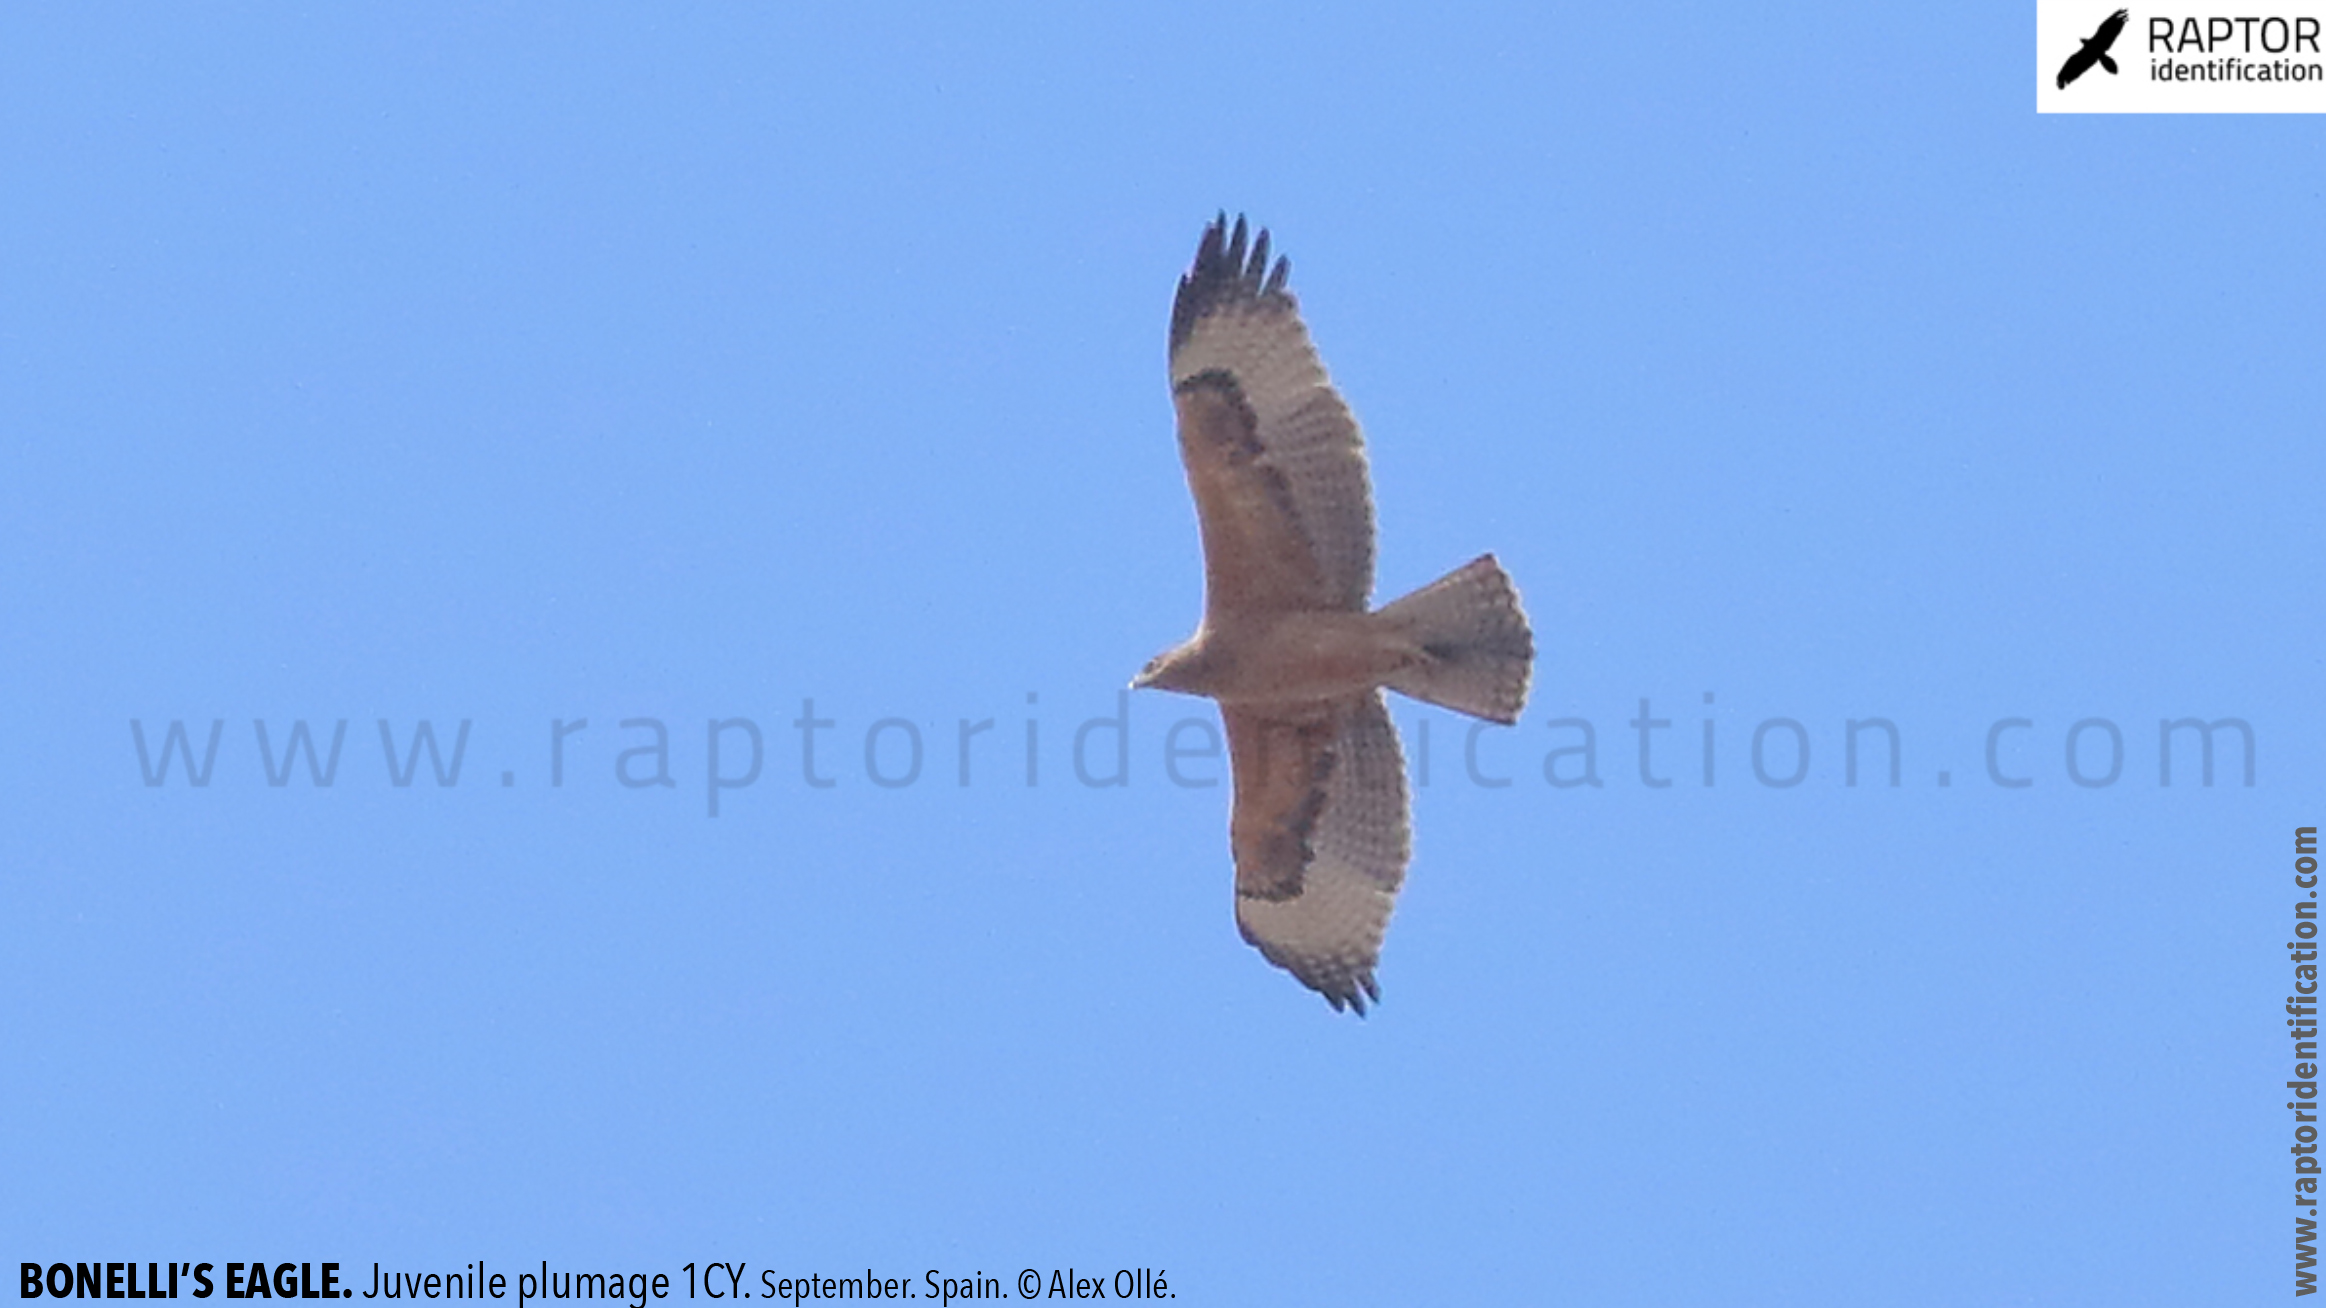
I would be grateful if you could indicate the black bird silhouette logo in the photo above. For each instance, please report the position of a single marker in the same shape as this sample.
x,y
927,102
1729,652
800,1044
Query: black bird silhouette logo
x,y
2094,50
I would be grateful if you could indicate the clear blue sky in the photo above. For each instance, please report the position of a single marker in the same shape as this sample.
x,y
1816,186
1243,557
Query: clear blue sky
x,y
627,364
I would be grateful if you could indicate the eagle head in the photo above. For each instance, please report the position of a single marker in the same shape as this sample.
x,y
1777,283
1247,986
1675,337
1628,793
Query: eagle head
x,y
1179,669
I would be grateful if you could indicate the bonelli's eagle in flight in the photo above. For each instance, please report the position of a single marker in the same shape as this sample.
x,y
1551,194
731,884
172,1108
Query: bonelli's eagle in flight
x,y
1287,644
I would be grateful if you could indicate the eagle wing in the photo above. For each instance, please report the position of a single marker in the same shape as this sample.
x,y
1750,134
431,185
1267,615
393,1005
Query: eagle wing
x,y
1273,455
1321,839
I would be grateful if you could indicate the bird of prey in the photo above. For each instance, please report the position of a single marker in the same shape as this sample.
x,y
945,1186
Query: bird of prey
x,y
2095,50
1287,644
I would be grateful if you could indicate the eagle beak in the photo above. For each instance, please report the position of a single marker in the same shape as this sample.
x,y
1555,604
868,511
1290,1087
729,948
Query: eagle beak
x,y
1143,680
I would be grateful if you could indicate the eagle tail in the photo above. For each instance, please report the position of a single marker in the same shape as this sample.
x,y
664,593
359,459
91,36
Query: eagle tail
x,y
1476,650
2108,63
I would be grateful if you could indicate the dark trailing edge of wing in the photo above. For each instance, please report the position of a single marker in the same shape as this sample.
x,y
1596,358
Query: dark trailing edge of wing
x,y
1225,275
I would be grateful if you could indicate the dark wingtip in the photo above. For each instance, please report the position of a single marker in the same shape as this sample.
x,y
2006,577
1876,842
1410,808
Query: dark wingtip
x,y
1347,997
1207,251
1231,268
